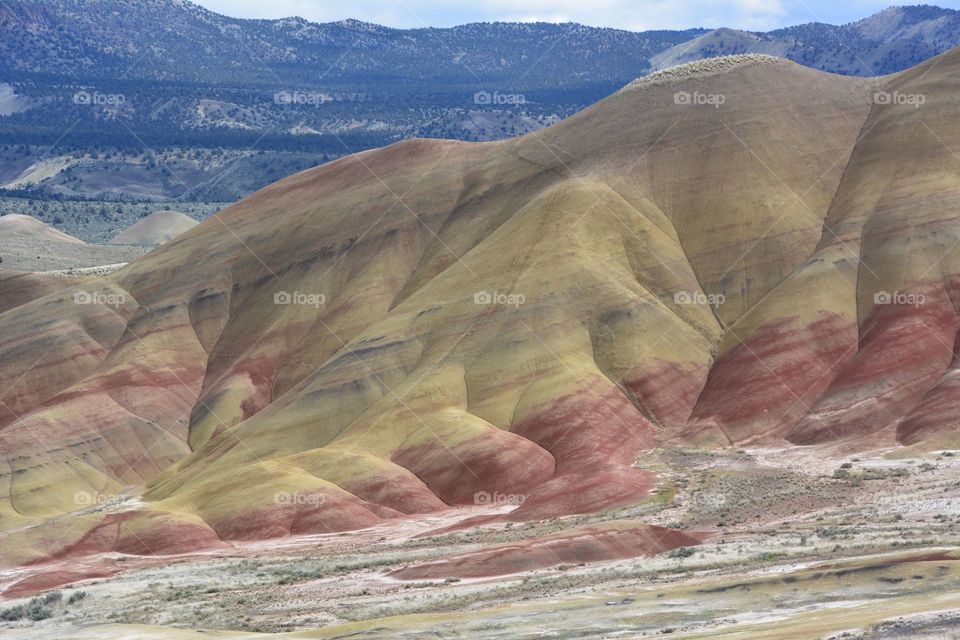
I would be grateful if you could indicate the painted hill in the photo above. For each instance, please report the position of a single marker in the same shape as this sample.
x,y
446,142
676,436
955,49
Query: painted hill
x,y
27,244
740,250
18,288
156,229
15,224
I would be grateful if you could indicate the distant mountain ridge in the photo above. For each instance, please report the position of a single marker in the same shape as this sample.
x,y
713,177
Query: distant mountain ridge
x,y
886,42
110,39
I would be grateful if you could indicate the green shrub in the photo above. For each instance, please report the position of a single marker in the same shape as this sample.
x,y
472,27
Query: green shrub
x,y
13,613
36,611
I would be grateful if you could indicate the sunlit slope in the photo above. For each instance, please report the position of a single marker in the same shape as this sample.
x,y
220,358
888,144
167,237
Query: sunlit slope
x,y
157,228
554,397
902,197
858,341
27,244
17,288
14,224
412,327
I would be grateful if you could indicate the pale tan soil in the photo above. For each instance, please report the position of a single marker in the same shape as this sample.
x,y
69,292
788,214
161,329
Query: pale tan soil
x,y
158,228
100,270
40,171
820,572
702,68
27,244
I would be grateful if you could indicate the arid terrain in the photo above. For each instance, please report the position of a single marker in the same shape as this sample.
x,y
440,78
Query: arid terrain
x,y
796,545
157,228
684,364
26,244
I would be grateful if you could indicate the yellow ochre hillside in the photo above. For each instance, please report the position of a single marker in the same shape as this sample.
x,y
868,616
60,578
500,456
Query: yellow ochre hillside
x,y
739,250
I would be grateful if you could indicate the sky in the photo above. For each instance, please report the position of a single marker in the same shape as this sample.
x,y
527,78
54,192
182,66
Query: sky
x,y
635,15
